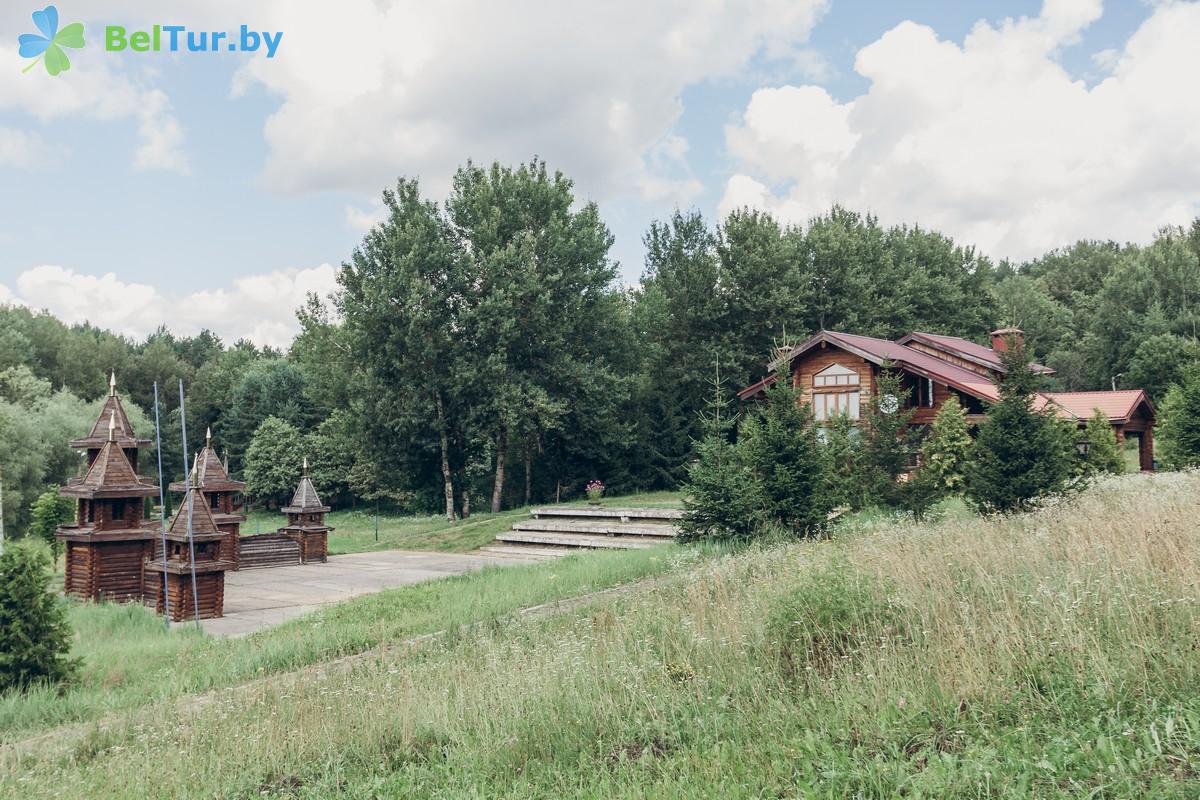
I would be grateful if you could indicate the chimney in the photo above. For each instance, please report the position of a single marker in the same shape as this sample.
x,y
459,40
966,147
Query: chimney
x,y
1001,337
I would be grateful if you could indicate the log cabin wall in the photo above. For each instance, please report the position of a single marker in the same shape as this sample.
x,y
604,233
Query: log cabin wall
x,y
812,362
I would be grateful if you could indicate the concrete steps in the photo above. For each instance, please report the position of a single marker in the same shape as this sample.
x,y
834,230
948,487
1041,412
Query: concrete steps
x,y
600,527
557,530
577,540
525,551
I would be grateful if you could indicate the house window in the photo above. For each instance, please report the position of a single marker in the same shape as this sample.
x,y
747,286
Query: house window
x,y
836,391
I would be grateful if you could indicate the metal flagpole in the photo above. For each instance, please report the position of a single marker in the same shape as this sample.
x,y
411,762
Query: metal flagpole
x,y
162,514
191,498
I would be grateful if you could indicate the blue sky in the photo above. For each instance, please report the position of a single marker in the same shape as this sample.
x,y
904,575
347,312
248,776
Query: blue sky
x,y
181,175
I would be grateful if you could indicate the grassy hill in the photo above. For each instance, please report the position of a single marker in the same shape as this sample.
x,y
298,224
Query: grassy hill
x,y
1050,655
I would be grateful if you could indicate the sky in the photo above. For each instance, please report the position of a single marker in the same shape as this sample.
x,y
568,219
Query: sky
x,y
216,189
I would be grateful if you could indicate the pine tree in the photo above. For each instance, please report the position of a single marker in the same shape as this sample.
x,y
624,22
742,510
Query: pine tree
x,y
721,500
1179,431
780,444
1103,452
1021,454
843,446
35,637
50,511
888,440
947,450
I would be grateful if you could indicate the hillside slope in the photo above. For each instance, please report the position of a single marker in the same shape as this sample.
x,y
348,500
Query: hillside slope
x,y
1053,654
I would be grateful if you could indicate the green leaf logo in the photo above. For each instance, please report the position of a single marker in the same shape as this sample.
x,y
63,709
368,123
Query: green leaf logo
x,y
47,46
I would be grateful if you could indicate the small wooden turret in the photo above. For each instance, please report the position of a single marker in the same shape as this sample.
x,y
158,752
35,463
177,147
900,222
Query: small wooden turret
x,y
202,545
223,496
306,521
109,540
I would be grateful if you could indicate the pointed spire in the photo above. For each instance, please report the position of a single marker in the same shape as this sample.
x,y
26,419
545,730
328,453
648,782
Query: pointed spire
x,y
208,437
112,383
306,465
112,426
226,464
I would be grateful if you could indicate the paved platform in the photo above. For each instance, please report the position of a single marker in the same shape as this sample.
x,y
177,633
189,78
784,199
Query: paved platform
x,y
259,598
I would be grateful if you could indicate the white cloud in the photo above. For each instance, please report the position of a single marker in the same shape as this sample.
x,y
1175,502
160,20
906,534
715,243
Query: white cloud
x,y
257,307
93,89
20,149
373,90
991,141
364,219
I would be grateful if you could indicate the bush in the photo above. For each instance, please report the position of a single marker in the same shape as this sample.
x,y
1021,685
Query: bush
x,y
827,620
35,637
1103,452
50,511
1021,455
887,442
780,446
1179,431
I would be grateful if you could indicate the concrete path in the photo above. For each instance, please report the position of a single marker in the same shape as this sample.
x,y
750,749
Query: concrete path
x,y
259,598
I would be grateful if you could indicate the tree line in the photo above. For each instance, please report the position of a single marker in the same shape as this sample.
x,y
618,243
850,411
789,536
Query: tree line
x,y
482,352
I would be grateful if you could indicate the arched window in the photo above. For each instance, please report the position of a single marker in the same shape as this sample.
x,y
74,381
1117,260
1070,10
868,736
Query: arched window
x,y
835,391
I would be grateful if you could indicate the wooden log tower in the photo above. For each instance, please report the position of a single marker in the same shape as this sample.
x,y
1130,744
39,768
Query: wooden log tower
x,y
306,521
205,541
108,543
223,495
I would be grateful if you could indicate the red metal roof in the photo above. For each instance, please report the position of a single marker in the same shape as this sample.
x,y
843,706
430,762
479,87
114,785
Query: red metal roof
x,y
1118,406
964,348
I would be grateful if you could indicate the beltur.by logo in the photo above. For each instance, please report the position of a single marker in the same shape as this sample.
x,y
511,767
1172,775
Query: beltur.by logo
x,y
175,38
47,47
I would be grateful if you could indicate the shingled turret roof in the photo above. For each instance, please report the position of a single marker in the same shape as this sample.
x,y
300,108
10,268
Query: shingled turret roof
x,y
305,500
203,524
111,412
208,473
110,475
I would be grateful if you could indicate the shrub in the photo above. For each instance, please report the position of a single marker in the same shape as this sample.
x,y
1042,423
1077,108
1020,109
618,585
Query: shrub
x,y
828,619
1103,452
1021,454
35,637
1179,431
781,449
50,511
842,441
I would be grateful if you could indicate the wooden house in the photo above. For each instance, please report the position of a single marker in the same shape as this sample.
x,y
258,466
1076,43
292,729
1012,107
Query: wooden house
x,y
189,576
837,372
107,544
306,521
222,495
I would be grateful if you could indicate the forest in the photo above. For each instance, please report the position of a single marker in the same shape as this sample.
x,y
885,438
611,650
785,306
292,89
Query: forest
x,y
482,351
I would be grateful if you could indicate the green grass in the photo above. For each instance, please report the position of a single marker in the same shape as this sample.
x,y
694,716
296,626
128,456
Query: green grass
x,y
355,530
1046,655
130,660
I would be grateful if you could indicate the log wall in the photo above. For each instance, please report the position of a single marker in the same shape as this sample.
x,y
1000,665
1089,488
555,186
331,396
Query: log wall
x,y
268,550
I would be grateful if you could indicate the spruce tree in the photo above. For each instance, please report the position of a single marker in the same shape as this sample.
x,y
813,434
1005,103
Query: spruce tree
x,y
1179,431
888,440
843,447
721,500
780,444
1021,454
1103,452
947,450
35,637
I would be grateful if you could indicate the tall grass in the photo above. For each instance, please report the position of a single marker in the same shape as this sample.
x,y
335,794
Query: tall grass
x,y
1046,655
130,660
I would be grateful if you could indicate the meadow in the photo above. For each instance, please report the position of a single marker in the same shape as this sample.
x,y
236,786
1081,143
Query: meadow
x,y
1052,654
